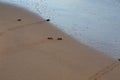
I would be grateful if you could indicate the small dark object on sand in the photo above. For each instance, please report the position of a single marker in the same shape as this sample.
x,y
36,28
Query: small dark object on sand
x,y
59,39
19,19
48,20
50,38
118,59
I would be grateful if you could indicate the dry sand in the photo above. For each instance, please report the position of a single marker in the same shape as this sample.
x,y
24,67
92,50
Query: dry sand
x,y
26,53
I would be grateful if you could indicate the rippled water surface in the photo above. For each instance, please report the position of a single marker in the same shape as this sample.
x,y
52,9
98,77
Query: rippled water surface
x,y
93,22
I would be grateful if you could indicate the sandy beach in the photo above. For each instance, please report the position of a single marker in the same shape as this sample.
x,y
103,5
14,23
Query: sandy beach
x,y
27,51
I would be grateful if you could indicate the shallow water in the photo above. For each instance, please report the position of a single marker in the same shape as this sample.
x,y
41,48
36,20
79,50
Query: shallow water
x,y
93,22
